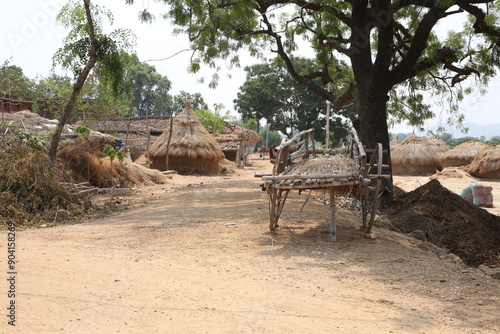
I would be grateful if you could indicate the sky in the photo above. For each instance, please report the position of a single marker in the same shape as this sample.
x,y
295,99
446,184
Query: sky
x,y
31,37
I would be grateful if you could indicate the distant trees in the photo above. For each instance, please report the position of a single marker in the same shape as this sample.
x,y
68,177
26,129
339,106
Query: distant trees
x,y
270,92
14,82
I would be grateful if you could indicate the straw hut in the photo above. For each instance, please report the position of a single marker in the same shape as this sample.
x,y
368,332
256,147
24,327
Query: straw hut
x,y
394,143
438,145
414,157
234,141
461,155
486,163
189,147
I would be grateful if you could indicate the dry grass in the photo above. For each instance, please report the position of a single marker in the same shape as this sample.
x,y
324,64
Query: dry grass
x,y
85,163
192,149
30,190
414,157
462,154
486,163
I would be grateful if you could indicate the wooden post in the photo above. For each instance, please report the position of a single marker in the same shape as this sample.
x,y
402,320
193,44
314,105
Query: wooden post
x,y
333,218
274,196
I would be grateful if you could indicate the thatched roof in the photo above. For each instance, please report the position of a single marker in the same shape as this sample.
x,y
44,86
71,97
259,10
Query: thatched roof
x,y
462,154
414,157
395,143
238,133
192,150
486,163
438,145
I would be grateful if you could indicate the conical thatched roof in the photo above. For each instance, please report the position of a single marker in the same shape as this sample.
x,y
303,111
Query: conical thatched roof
x,y
414,157
192,150
462,154
438,145
486,163
394,143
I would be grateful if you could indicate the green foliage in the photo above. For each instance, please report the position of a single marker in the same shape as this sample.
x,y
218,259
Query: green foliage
x,y
113,153
14,82
75,51
452,142
274,138
26,138
399,56
209,121
270,92
150,88
494,141
179,102
83,130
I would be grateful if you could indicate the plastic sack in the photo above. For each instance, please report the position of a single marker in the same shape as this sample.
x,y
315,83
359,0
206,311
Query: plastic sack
x,y
467,192
482,195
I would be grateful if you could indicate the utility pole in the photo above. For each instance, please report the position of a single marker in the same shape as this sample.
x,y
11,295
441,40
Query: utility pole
x,y
327,139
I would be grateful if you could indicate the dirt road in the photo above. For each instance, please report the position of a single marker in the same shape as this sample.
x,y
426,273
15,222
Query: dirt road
x,y
196,256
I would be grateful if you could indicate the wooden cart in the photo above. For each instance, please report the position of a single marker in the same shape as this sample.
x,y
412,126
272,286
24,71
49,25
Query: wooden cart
x,y
365,178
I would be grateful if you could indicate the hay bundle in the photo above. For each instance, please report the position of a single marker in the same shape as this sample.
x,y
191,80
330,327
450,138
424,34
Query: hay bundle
x,y
461,155
438,145
247,136
486,163
325,165
414,157
192,150
394,143
451,173
85,162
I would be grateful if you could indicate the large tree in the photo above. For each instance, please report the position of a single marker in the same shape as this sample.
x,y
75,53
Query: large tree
x,y
392,46
86,46
150,88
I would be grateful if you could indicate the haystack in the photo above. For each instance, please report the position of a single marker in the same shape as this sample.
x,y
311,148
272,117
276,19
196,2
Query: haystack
x,y
486,163
438,145
85,162
414,157
394,143
461,155
191,149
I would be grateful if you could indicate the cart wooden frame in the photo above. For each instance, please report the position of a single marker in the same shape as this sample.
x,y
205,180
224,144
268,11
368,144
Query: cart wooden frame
x,y
368,181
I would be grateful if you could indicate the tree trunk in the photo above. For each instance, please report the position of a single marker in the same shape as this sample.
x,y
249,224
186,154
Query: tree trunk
x,y
372,128
77,87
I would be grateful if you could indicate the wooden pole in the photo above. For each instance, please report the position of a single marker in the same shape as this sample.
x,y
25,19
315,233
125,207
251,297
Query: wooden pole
x,y
168,142
333,218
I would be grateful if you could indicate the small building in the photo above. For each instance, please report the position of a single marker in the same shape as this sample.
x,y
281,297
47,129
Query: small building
x,y
11,103
438,145
486,163
186,147
461,155
414,157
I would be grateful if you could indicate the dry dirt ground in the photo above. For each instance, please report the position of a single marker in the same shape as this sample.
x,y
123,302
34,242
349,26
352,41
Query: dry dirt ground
x,y
196,256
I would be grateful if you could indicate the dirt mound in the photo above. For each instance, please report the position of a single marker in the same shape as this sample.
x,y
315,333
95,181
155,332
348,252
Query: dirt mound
x,y
445,219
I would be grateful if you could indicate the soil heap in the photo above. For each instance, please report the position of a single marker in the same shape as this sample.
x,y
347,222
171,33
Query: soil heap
x,y
448,221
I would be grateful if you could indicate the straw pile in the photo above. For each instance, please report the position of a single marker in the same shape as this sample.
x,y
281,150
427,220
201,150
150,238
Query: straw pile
x,y
438,145
85,162
486,163
191,149
327,164
394,143
414,157
461,155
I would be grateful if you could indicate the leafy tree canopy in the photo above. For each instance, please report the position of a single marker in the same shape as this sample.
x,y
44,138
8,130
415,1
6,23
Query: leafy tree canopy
x,y
179,101
270,92
14,82
150,87
393,47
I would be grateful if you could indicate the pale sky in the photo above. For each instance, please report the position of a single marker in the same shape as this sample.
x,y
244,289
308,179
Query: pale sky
x,y
30,36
